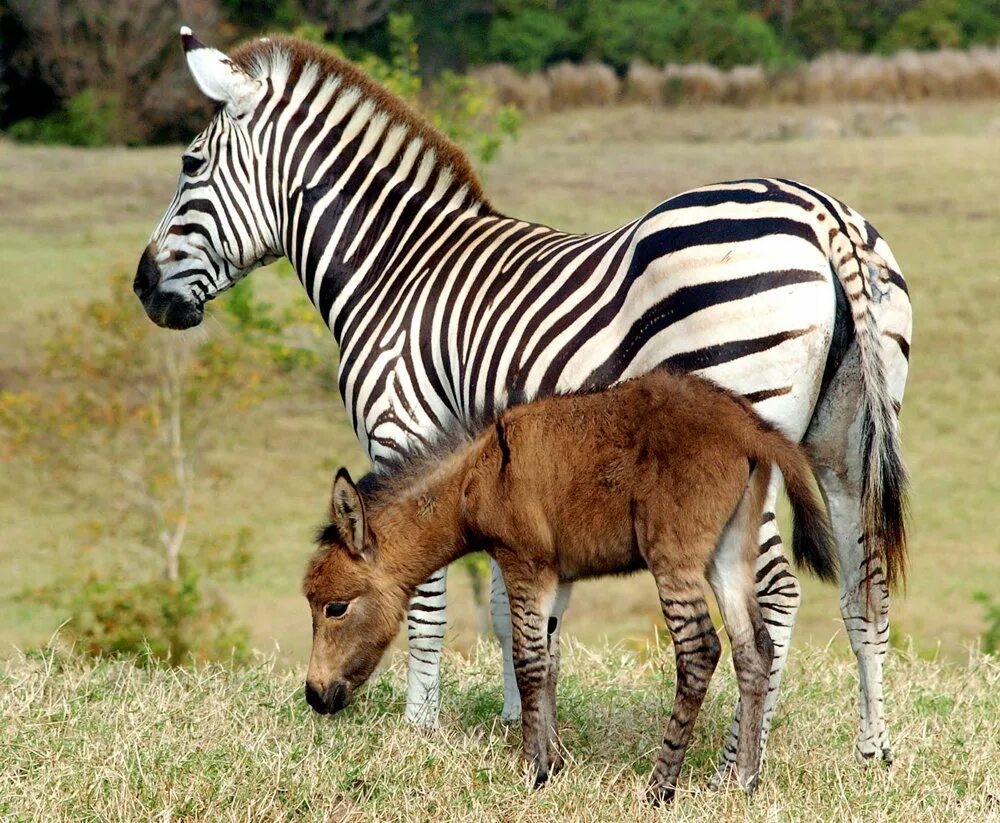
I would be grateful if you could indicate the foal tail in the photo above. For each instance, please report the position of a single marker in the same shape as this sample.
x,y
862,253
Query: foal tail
x,y
812,541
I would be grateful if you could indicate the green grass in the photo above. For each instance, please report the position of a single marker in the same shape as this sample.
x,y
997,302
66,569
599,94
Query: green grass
x,y
69,217
111,742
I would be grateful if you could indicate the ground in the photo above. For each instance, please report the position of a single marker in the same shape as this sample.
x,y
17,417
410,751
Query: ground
x,y
112,742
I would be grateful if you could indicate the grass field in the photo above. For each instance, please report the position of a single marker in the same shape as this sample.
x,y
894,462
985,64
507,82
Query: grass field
x,y
112,742
109,741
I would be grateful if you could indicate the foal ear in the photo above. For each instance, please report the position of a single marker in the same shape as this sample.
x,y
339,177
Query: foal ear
x,y
216,75
347,510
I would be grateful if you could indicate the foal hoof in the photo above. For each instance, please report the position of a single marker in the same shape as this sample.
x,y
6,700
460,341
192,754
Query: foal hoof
x,y
659,795
541,778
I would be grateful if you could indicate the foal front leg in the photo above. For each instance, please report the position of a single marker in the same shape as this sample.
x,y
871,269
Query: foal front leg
x,y
531,604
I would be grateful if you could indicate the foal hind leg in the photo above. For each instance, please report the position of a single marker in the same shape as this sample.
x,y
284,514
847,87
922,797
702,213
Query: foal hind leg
x,y
679,570
778,594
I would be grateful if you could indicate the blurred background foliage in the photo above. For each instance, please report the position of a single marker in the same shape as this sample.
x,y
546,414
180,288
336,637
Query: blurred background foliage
x,y
96,72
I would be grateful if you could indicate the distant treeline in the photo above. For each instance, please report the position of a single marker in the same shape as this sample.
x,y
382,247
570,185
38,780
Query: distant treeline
x,y
108,71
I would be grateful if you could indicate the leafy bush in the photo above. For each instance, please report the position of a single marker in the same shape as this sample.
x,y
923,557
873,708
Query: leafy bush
x,y
528,35
462,107
991,637
118,423
931,25
154,620
263,14
824,25
89,119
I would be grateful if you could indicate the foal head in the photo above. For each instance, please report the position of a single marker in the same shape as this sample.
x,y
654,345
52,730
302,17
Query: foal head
x,y
356,610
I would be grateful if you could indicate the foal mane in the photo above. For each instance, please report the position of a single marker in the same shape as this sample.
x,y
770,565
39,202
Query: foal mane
x,y
262,58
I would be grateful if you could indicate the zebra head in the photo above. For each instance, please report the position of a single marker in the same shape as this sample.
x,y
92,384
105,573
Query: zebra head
x,y
214,232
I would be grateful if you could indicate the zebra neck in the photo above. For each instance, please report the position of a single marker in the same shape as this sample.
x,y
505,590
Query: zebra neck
x,y
363,219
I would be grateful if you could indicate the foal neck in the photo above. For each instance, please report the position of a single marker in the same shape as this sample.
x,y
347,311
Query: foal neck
x,y
418,520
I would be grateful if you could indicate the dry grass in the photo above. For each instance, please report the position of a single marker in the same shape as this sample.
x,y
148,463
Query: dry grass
x,y
573,85
836,77
111,742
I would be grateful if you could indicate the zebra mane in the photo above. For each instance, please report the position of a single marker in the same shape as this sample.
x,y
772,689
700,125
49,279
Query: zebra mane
x,y
411,473
292,58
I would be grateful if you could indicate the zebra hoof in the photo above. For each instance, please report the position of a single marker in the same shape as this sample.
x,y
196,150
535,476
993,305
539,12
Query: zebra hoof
x,y
511,716
866,754
423,714
723,777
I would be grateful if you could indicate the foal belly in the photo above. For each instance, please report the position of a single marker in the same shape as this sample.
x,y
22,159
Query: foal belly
x,y
585,559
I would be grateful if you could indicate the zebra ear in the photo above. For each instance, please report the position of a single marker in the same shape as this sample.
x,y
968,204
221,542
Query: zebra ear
x,y
216,75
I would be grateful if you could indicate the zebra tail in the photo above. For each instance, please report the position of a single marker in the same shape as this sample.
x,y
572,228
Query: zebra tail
x,y
884,478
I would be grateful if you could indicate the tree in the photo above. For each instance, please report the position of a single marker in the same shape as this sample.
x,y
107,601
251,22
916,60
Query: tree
x,y
118,424
124,52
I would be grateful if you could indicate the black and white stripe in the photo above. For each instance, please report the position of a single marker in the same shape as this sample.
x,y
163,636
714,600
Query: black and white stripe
x,y
447,311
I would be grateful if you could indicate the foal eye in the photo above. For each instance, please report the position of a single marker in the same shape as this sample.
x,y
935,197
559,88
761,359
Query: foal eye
x,y
335,609
191,164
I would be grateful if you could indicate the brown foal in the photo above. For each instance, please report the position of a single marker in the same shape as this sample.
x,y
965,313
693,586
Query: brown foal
x,y
666,472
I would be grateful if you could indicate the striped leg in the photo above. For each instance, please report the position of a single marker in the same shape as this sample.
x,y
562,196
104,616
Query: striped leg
x,y
531,604
864,605
697,650
778,594
500,614
425,623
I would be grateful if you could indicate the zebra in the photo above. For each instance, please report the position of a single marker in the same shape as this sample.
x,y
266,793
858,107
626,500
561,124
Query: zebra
x,y
447,311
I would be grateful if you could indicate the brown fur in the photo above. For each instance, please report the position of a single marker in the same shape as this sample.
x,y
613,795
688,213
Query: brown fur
x,y
653,473
302,53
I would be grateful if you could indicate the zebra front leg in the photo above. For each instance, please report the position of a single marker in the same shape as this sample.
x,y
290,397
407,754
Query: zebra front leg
x,y
531,602
426,621
778,595
500,615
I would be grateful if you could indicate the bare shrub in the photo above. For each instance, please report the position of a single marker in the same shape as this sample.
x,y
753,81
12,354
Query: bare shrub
x,y
695,83
529,92
586,84
984,67
745,85
644,83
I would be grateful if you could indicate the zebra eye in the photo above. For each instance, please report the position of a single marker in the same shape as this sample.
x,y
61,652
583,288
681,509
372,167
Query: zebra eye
x,y
191,164
335,610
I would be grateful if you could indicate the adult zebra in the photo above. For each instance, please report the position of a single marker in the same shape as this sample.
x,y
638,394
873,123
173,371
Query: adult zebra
x,y
447,311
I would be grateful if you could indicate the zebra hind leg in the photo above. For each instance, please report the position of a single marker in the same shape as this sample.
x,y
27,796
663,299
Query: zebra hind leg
x,y
426,621
778,595
864,606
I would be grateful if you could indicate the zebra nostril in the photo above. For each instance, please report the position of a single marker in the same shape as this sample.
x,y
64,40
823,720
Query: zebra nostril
x,y
147,275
